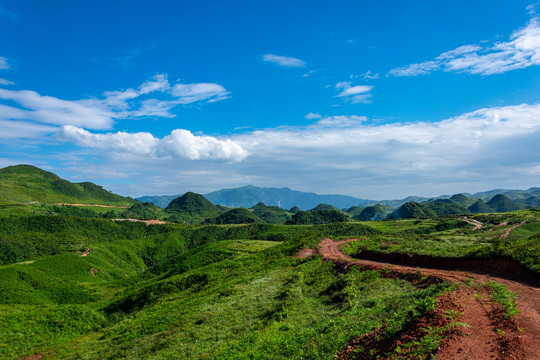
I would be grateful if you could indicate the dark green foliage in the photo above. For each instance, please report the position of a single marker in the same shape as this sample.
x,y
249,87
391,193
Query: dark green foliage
x,y
463,200
235,216
502,203
350,229
480,207
143,211
354,211
444,207
413,210
313,217
372,213
147,295
294,209
271,214
194,206
325,207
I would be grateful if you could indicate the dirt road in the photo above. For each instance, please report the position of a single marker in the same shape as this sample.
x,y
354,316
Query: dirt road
x,y
483,336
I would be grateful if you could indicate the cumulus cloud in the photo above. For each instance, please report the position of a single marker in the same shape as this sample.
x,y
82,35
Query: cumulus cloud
x,y
179,144
154,97
286,61
521,51
354,94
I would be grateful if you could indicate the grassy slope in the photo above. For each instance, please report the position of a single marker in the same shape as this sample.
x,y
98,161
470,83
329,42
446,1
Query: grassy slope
x,y
25,183
167,292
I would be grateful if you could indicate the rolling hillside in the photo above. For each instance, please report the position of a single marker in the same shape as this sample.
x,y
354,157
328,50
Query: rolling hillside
x,y
26,183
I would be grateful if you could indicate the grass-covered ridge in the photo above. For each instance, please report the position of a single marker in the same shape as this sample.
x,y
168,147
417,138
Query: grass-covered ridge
x,y
25,183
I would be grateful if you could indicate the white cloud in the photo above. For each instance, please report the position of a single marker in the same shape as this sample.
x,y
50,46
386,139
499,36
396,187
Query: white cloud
x,y
50,110
158,99
521,51
179,144
6,82
354,94
311,116
415,69
480,150
3,63
284,60
23,129
189,93
340,121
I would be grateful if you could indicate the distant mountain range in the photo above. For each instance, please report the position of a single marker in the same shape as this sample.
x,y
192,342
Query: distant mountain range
x,y
285,198
248,196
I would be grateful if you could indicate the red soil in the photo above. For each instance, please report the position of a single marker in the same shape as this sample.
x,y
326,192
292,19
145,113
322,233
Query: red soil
x,y
489,337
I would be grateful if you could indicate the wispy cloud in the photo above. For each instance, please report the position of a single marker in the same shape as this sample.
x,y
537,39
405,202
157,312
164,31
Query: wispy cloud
x,y
286,61
179,144
312,116
354,94
521,51
3,63
100,113
13,16
6,82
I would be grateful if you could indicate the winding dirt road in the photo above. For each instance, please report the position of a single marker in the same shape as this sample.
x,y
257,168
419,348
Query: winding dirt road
x,y
483,335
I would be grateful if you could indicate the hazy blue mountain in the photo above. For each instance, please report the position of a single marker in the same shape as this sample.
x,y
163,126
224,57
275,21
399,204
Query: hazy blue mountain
x,y
160,200
285,198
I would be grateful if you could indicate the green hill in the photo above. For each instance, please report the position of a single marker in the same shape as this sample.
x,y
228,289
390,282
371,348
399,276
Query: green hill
x,y
443,207
480,207
271,214
143,211
26,183
502,203
325,207
235,216
462,200
371,213
313,217
192,208
353,210
294,209
413,210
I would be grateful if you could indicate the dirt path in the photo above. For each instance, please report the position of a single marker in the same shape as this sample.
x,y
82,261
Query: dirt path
x,y
528,302
147,222
94,205
507,231
477,224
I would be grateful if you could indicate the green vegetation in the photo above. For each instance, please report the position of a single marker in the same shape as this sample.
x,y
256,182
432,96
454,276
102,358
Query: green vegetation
x,y
235,216
223,283
192,208
371,213
502,203
503,296
271,214
317,217
25,183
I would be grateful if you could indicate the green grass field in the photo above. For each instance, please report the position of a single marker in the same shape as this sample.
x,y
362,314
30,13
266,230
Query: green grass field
x,y
218,291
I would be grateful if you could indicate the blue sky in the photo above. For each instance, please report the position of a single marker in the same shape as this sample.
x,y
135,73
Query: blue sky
x,y
372,99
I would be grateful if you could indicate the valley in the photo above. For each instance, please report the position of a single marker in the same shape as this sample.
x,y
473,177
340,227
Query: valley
x,y
115,278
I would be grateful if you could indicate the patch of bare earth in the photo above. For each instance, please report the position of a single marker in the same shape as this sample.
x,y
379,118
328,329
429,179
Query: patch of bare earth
x,y
490,336
147,222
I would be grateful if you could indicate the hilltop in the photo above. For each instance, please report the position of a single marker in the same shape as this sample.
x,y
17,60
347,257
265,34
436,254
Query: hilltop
x,y
26,183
